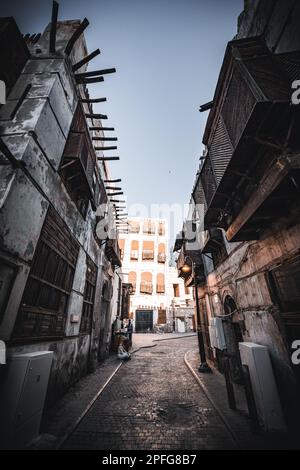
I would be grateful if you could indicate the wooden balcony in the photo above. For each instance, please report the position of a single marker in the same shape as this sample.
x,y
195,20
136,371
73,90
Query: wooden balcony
x,y
250,176
78,164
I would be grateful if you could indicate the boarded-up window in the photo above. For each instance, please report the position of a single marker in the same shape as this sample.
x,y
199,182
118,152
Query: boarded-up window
x,y
162,317
89,296
286,285
148,251
43,308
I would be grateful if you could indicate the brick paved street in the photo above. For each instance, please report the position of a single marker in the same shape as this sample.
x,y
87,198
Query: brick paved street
x,y
153,402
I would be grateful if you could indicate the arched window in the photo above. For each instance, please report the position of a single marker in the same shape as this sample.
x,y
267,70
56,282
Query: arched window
x,y
134,250
132,280
148,251
161,257
160,283
146,283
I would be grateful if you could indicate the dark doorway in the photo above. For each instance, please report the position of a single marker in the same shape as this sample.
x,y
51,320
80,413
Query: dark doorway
x,y
143,321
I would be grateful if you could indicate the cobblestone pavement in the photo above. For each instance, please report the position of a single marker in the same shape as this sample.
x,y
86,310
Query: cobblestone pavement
x,y
153,402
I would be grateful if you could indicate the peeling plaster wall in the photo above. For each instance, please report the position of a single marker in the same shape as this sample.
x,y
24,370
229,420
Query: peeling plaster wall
x,y
243,275
70,362
35,131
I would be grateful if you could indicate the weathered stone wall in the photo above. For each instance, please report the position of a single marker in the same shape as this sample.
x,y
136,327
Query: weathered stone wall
x,y
36,136
243,275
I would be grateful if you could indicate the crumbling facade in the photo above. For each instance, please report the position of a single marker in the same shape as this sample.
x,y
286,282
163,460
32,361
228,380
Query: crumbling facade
x,y
60,286
247,195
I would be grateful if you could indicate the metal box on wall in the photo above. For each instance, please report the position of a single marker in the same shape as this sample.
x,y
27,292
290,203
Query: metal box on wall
x,y
22,396
257,358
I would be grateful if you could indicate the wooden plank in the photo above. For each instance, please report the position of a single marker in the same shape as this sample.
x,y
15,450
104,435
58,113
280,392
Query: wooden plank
x,y
280,168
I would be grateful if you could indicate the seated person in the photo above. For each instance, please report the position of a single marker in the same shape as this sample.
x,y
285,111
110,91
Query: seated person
x,y
122,353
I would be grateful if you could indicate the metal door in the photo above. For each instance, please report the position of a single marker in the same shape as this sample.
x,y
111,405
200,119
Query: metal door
x,y
143,321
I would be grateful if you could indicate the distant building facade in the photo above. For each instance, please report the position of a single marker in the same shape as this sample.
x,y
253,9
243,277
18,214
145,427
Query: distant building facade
x,y
157,290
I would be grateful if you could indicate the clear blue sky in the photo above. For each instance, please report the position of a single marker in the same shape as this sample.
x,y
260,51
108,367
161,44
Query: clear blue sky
x,y
167,54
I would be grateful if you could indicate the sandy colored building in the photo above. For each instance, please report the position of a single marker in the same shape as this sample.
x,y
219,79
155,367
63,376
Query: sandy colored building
x,y
157,290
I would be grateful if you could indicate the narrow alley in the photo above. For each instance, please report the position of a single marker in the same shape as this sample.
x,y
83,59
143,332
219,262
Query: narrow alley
x,y
153,402
149,227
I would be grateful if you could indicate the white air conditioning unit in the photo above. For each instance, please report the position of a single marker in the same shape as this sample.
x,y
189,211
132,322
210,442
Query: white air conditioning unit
x,y
268,406
22,396
216,333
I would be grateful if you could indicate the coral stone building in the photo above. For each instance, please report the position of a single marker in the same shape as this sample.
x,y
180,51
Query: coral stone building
x,y
246,196
159,300
60,285
144,253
